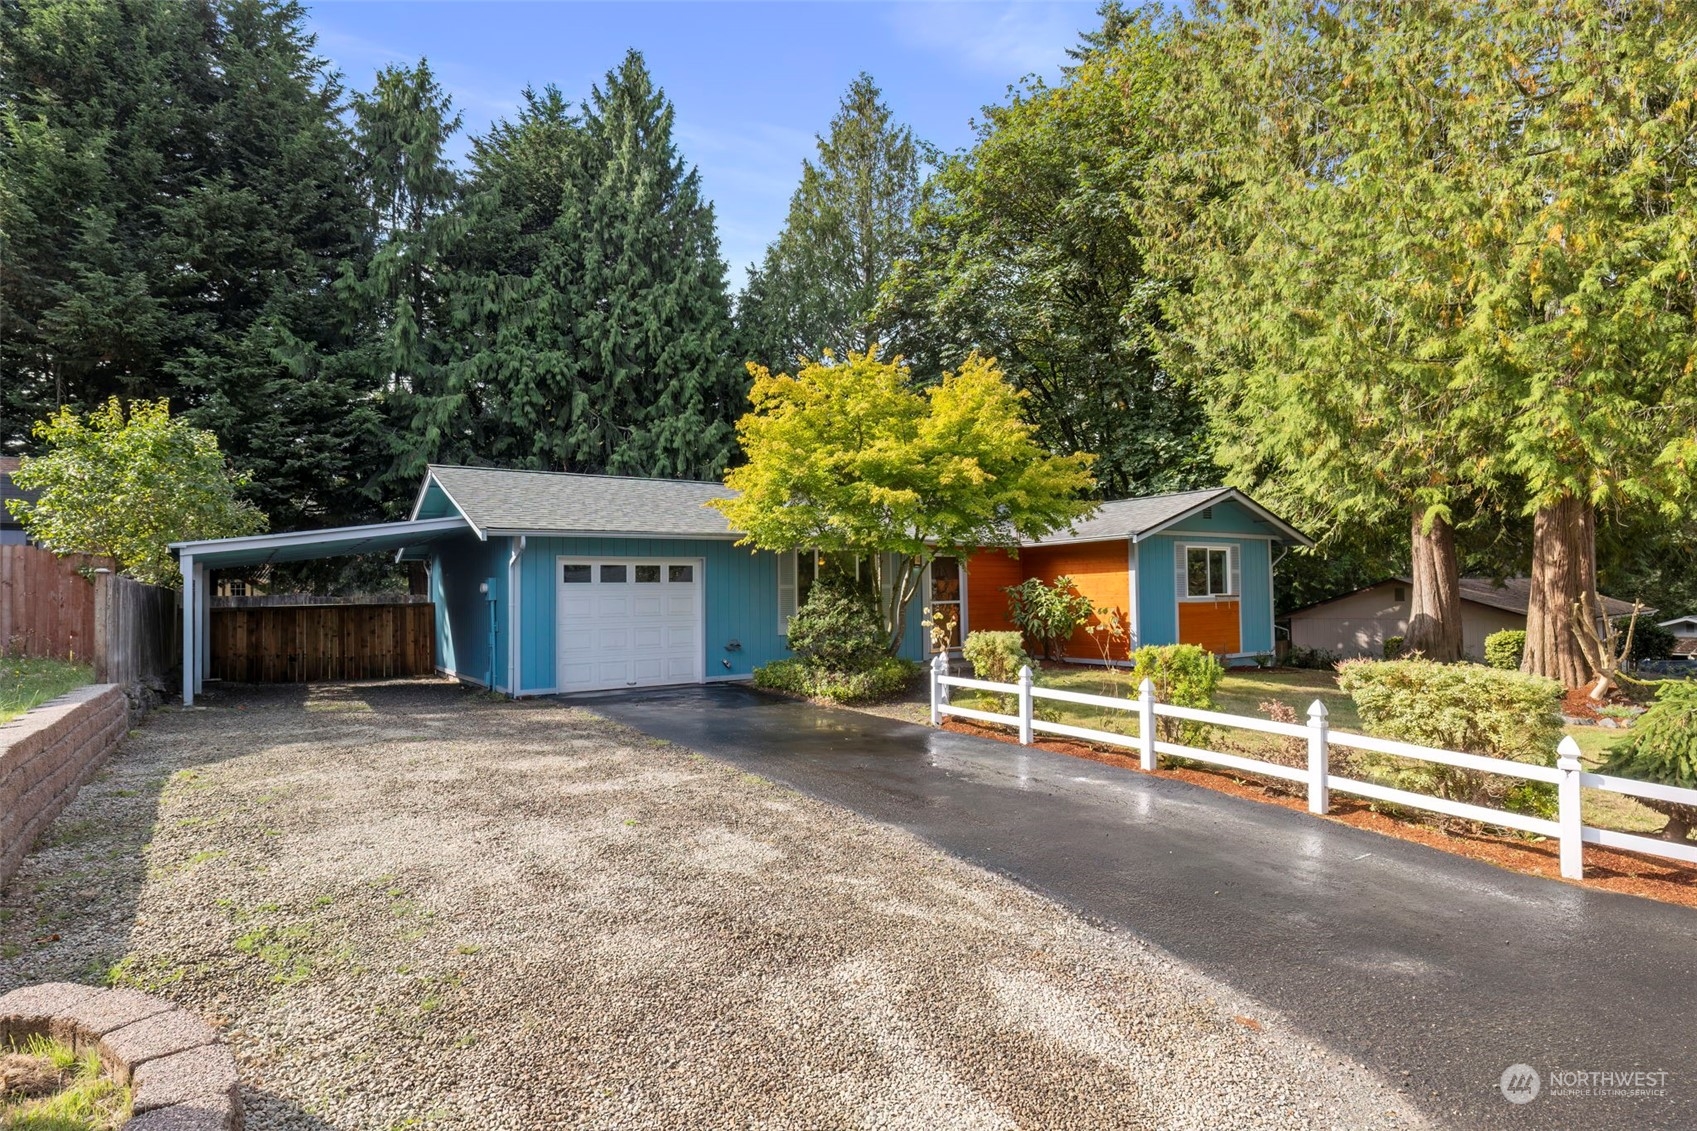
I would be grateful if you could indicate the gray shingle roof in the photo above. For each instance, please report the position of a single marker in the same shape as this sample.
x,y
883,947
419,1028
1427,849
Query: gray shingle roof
x,y
1514,595
499,499
1131,518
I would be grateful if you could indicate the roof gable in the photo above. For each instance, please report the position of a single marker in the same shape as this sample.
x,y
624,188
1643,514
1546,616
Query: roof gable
x,y
1143,517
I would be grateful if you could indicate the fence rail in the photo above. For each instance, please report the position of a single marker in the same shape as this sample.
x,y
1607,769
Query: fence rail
x,y
1566,775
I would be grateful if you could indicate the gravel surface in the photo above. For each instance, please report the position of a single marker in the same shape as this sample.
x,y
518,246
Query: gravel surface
x,y
409,905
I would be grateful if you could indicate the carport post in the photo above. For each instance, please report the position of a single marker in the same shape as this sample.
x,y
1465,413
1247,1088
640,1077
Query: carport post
x,y
190,651
203,626
1569,815
1025,705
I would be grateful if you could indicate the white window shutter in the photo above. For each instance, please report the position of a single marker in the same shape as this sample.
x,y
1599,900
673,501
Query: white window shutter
x,y
786,591
1236,575
1181,569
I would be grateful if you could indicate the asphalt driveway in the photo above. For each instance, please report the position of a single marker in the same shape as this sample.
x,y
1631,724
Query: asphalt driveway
x,y
1434,969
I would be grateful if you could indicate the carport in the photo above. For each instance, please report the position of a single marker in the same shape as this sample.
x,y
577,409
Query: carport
x,y
197,559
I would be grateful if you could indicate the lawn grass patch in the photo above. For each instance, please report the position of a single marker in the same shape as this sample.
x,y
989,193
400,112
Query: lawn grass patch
x,y
49,1087
27,681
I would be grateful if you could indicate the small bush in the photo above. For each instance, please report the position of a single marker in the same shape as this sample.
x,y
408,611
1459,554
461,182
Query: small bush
x,y
1477,710
995,656
1393,647
1319,659
1650,641
1048,614
1504,650
1184,675
1663,749
885,678
838,629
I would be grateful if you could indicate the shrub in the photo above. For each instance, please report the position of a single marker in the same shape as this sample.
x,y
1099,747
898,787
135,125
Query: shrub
x,y
1393,647
1478,710
1650,641
1048,614
1504,650
1184,675
886,677
838,629
1318,658
995,656
1663,749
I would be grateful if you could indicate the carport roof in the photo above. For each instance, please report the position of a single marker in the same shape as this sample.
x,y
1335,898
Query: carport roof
x,y
305,545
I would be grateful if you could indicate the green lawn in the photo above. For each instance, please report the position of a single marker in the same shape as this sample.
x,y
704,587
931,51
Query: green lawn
x,y
1244,690
26,683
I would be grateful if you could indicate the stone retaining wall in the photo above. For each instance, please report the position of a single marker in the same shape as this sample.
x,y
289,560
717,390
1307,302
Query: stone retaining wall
x,y
181,1076
45,756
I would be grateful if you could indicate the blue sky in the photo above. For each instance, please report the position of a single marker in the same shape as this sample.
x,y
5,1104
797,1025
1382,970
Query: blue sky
x,y
752,82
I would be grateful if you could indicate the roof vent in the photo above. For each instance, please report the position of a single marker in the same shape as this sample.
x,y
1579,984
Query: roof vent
x,y
1207,512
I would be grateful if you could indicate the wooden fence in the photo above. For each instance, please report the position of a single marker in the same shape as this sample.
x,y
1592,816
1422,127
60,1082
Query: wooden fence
x,y
46,604
301,643
138,637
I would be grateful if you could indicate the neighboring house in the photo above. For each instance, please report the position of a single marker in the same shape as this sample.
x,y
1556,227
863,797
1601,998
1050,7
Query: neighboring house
x,y
11,530
1359,623
1684,630
1194,567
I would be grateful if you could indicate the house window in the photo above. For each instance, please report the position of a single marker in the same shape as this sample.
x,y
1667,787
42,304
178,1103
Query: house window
x,y
945,594
1207,571
238,588
1401,594
680,574
648,575
612,575
575,574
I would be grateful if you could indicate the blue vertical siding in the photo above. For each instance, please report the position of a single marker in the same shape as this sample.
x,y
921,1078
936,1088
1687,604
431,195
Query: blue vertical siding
x,y
1255,562
741,594
457,567
1157,603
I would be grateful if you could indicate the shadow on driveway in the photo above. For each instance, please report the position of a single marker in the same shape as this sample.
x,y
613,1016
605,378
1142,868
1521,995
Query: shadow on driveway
x,y
1435,969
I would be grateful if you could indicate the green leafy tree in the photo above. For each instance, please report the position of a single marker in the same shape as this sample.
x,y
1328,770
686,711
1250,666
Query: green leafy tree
x,y
127,487
851,458
1027,250
1662,748
849,220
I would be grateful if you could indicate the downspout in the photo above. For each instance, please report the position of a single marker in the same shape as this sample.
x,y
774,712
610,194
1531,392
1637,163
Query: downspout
x,y
514,600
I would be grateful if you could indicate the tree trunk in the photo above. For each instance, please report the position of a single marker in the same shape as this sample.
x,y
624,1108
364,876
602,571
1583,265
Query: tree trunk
x,y
1564,577
1434,615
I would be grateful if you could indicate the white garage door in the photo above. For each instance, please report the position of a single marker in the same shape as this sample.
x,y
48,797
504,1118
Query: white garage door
x,y
628,623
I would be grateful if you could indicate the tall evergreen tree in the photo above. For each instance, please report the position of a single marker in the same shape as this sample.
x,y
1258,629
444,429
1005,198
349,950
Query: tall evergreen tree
x,y
1028,252
653,316
850,219
401,304
177,205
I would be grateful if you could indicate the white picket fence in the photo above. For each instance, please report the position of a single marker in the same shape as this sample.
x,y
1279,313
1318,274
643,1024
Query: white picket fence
x,y
1566,775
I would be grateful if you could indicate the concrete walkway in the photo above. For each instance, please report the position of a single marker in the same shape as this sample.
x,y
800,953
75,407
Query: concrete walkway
x,y
1433,968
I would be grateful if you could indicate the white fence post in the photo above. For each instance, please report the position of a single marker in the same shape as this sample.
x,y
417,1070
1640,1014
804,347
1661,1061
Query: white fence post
x,y
1568,813
1319,758
1025,705
1146,724
939,693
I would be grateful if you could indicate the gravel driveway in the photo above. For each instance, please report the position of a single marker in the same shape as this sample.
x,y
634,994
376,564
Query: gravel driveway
x,y
414,906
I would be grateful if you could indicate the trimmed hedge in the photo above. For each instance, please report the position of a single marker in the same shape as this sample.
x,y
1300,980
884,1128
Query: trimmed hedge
x,y
1504,649
1184,675
1477,710
889,676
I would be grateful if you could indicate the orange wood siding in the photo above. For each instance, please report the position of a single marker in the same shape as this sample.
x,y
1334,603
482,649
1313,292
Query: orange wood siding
x,y
1099,572
1212,624
988,572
